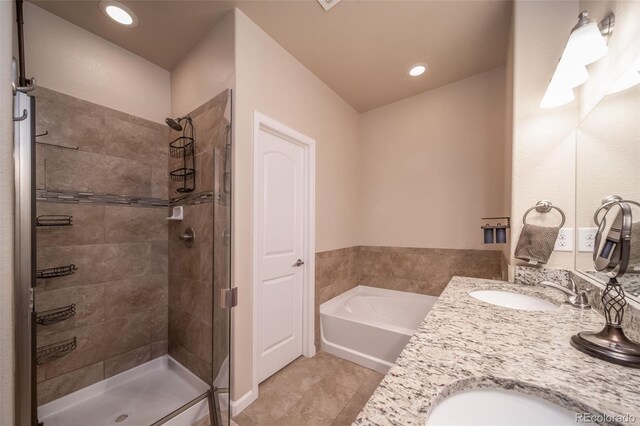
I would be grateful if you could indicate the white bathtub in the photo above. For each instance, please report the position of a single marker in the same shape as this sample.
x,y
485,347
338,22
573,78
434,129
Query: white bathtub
x,y
370,326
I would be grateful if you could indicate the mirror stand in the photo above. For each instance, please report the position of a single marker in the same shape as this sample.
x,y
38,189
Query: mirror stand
x,y
610,343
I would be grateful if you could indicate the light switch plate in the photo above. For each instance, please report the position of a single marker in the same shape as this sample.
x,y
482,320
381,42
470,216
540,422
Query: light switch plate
x,y
564,242
586,239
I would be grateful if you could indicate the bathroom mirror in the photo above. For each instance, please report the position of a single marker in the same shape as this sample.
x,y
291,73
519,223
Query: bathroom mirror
x,y
608,164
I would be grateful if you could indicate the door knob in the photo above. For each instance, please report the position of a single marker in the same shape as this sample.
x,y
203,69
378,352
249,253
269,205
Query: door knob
x,y
300,262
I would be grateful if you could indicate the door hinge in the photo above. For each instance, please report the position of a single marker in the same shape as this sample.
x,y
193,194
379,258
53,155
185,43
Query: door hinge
x,y
229,297
32,299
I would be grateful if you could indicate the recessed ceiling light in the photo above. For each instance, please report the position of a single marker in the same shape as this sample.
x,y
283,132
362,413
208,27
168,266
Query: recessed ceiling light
x,y
417,69
119,13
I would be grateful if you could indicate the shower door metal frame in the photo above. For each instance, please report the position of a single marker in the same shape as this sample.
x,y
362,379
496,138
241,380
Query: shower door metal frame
x,y
25,259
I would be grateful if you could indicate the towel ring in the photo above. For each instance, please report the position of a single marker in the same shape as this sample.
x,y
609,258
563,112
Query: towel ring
x,y
607,203
544,206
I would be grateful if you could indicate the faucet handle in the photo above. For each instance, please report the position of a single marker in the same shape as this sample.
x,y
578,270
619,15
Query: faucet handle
x,y
580,301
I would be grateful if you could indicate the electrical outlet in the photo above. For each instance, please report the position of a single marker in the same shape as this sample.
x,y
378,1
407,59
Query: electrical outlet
x,y
564,242
586,239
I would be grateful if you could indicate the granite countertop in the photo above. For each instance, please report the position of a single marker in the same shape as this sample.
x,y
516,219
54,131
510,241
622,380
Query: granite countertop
x,y
464,343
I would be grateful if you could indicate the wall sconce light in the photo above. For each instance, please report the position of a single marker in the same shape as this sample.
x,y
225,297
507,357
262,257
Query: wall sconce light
x,y
627,80
587,43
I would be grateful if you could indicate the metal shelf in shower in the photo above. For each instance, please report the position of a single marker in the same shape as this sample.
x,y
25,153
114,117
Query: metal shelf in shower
x,y
54,220
181,147
53,316
55,351
60,271
184,175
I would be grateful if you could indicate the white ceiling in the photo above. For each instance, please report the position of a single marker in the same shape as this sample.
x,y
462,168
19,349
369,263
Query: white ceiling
x,y
361,49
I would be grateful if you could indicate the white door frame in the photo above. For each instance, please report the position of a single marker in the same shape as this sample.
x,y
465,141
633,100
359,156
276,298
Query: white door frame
x,y
262,122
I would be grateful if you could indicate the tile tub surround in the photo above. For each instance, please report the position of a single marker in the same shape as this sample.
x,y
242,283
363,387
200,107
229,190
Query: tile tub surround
x,y
423,270
197,331
336,272
521,350
118,242
418,270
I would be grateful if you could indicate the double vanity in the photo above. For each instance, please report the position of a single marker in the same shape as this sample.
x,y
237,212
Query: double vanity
x,y
491,352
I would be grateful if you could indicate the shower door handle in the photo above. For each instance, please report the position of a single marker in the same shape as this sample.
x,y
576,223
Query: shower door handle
x,y
299,263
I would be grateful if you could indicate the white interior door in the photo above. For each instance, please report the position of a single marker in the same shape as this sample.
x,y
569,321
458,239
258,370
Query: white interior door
x,y
280,197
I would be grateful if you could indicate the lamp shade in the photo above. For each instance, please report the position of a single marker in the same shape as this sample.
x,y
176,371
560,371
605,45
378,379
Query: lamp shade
x,y
570,74
585,46
557,95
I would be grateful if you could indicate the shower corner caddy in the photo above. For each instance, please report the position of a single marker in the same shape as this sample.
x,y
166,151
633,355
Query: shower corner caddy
x,y
60,271
55,351
181,147
53,316
184,147
54,220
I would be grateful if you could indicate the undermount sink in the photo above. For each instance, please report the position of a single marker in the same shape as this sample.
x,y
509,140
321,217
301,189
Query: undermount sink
x,y
508,299
497,407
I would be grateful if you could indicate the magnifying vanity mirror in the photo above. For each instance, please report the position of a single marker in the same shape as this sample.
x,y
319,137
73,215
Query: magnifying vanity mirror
x,y
611,255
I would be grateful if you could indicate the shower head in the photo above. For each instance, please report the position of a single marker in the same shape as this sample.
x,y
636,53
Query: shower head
x,y
174,123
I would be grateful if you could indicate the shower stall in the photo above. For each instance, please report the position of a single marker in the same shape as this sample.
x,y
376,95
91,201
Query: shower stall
x,y
123,259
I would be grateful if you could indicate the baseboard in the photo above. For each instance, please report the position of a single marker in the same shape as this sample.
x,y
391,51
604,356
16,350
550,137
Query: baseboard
x,y
243,402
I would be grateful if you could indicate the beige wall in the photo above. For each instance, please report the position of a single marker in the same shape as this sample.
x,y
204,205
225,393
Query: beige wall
x,y
432,166
68,59
543,156
205,71
271,81
6,217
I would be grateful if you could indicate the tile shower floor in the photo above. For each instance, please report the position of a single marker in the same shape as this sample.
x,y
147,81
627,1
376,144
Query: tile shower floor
x,y
322,390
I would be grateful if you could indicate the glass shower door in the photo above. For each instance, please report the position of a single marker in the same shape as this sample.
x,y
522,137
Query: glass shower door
x,y
223,294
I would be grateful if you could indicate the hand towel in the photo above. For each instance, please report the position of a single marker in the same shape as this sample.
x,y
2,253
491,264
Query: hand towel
x,y
535,244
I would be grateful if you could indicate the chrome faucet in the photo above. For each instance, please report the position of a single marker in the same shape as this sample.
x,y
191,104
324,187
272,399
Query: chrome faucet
x,y
576,298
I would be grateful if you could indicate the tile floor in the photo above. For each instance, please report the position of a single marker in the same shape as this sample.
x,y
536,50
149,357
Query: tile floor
x,y
322,390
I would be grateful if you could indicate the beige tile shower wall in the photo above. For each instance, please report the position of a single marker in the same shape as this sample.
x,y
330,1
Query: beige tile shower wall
x,y
121,287
416,270
197,274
